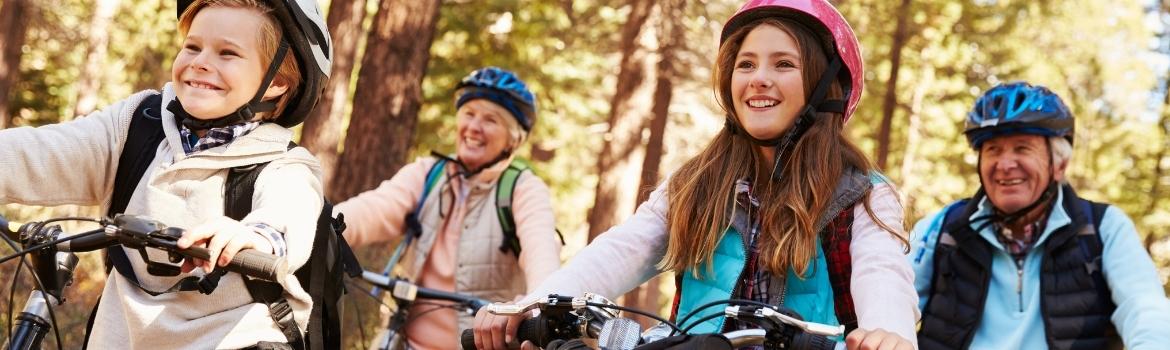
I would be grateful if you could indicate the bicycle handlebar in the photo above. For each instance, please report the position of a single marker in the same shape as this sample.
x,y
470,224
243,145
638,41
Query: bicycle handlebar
x,y
533,329
137,232
777,328
409,291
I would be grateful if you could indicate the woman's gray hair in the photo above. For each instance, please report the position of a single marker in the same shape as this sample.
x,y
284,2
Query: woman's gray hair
x,y
515,131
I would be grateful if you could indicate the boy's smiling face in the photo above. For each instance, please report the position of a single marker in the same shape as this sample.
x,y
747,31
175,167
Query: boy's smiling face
x,y
220,67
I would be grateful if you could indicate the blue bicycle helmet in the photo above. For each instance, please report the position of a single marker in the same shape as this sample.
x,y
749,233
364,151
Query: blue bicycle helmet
x,y
1018,108
502,88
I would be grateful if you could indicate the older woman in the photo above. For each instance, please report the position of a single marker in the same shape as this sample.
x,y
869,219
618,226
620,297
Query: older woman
x,y
446,210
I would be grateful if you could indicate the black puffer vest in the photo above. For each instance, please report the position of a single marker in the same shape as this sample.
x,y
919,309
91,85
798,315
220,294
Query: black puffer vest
x,y
1074,296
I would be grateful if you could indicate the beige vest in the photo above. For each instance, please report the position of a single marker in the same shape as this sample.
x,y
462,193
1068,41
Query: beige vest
x,y
483,270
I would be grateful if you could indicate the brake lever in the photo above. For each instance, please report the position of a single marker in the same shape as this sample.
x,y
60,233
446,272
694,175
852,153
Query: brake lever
x,y
771,314
544,304
511,309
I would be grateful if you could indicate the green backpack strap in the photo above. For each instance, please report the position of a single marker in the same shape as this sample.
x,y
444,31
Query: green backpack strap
x,y
504,190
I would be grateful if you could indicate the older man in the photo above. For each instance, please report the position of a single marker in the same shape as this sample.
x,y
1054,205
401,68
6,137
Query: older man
x,y
1025,263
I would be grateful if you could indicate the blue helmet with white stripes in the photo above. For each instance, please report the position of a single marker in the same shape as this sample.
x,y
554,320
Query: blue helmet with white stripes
x,y
1018,108
501,87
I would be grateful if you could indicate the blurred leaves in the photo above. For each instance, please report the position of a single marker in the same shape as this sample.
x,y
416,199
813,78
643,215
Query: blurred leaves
x,y
1107,59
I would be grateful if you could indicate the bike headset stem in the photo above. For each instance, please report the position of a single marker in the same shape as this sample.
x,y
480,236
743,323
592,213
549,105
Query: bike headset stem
x,y
41,290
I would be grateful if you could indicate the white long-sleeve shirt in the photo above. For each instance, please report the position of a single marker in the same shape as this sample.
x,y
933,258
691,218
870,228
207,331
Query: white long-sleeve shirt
x,y
626,255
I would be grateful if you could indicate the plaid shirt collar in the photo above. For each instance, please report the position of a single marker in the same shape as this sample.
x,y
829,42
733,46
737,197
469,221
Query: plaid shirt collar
x,y
214,137
1018,245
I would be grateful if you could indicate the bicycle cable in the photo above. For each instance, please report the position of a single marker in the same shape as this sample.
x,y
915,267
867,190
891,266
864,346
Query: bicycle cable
x,y
715,303
41,287
37,226
636,311
358,313
51,243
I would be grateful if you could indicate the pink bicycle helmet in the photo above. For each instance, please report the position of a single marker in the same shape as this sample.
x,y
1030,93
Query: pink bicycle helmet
x,y
837,38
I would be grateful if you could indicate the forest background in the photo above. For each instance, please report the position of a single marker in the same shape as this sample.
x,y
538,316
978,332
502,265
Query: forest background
x,y
624,97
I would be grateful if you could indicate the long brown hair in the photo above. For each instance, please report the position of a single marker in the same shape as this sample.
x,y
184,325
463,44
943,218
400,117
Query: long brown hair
x,y
701,194
270,36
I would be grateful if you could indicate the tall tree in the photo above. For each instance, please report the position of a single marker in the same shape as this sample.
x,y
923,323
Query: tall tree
x,y
670,34
628,116
669,37
95,57
901,34
14,19
388,95
323,129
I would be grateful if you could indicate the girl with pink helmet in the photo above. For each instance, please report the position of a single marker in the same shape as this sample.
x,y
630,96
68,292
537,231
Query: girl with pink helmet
x,y
780,208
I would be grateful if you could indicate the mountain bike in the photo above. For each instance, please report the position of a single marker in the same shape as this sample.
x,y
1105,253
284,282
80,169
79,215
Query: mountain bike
x,y
404,295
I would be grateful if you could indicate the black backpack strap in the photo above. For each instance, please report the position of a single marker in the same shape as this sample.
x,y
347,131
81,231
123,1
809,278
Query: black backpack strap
x,y
272,294
237,204
138,151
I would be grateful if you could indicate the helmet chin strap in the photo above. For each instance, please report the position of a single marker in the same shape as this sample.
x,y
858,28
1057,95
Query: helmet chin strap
x,y
804,120
245,113
466,172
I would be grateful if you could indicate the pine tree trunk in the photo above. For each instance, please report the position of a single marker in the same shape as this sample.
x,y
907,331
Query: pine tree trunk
x,y
646,296
629,114
92,71
388,96
891,98
14,20
670,33
323,129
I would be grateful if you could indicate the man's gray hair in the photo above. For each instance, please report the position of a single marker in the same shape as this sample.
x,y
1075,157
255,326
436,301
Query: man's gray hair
x,y
1061,152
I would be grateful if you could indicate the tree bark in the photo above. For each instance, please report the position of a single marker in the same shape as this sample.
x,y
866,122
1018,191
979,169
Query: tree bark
x,y
629,114
95,57
14,20
388,96
891,97
323,129
646,296
669,35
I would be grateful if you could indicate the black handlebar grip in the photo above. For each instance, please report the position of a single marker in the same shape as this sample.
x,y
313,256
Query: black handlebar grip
x,y
249,262
468,339
805,341
533,329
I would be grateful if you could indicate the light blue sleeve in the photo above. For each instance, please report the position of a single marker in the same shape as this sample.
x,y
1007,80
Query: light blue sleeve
x,y
1143,312
922,240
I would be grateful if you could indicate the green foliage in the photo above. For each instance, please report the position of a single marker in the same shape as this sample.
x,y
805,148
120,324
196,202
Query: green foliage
x,y
1102,65
563,53
567,52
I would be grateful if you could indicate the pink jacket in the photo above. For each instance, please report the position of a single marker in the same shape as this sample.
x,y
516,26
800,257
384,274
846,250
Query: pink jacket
x,y
467,214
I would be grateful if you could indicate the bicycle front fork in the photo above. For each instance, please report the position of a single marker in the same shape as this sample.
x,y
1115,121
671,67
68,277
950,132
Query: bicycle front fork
x,y
33,323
